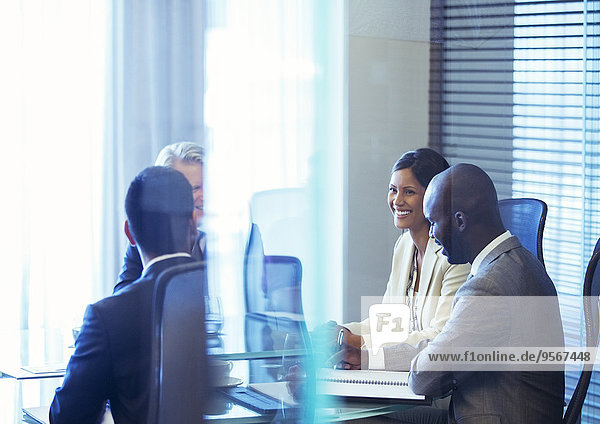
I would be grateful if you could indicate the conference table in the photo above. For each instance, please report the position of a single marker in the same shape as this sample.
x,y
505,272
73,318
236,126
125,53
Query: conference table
x,y
32,364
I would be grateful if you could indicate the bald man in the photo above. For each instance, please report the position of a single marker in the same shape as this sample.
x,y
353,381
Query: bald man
x,y
462,206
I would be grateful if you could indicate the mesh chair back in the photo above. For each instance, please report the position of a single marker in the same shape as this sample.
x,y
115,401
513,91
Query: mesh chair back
x,y
283,277
179,380
272,283
525,218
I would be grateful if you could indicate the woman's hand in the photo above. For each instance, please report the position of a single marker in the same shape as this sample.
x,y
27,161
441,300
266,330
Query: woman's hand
x,y
348,358
351,339
349,353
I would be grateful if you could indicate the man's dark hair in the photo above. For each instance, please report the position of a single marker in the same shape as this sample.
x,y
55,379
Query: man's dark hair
x,y
424,163
159,206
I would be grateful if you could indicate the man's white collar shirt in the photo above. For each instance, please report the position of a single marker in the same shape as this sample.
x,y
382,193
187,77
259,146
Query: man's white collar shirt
x,y
167,256
487,249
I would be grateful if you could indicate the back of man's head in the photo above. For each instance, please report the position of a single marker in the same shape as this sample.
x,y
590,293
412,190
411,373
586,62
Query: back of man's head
x,y
464,196
472,191
159,206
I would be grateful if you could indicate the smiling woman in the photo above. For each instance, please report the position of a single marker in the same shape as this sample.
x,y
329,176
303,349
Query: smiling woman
x,y
421,276
405,197
52,108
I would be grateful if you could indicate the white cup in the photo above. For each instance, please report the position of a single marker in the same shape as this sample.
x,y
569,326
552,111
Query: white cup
x,y
220,371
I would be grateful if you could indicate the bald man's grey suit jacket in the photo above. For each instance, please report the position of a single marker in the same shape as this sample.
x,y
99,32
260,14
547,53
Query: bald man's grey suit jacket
x,y
508,275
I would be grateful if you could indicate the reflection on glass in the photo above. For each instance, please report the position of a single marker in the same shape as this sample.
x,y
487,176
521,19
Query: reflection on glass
x,y
214,344
214,314
288,358
282,137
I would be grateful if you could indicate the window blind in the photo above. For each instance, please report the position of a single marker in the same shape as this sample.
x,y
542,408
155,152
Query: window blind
x,y
515,89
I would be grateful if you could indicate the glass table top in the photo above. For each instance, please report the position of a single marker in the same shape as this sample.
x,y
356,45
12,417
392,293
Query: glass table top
x,y
261,349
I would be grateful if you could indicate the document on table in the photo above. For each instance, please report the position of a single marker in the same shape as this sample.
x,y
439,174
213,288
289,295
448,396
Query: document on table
x,y
46,368
277,390
39,414
35,371
367,384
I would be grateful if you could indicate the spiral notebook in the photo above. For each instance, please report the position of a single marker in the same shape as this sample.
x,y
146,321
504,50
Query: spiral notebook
x,y
391,386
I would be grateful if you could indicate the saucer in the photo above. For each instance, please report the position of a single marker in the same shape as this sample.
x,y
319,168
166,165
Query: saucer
x,y
230,382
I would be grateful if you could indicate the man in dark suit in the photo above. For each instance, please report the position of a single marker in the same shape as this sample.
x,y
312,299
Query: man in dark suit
x,y
112,354
488,311
187,158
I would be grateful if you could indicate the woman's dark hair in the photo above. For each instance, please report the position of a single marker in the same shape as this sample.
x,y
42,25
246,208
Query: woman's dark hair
x,y
424,163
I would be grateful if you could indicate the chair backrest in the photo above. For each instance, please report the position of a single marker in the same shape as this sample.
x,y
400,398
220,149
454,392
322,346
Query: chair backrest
x,y
272,283
180,383
591,291
283,277
254,272
525,218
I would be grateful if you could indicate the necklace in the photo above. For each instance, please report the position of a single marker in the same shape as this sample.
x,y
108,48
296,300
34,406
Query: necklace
x,y
410,293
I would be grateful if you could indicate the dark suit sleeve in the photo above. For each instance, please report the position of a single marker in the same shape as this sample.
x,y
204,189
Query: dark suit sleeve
x,y
132,268
85,389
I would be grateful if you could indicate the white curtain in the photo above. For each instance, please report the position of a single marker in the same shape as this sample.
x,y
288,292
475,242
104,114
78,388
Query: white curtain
x,y
91,91
154,97
52,106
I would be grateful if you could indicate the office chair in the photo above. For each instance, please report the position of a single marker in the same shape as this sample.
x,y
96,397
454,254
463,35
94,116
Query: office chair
x,y
180,382
283,277
525,218
254,271
272,289
272,283
591,291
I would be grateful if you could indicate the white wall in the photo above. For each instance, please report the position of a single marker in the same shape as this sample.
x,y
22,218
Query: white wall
x,y
388,74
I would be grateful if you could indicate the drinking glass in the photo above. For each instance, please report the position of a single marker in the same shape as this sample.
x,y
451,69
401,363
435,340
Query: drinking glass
x,y
213,311
290,343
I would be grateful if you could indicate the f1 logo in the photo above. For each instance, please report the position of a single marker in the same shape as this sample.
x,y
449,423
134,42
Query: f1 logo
x,y
388,323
